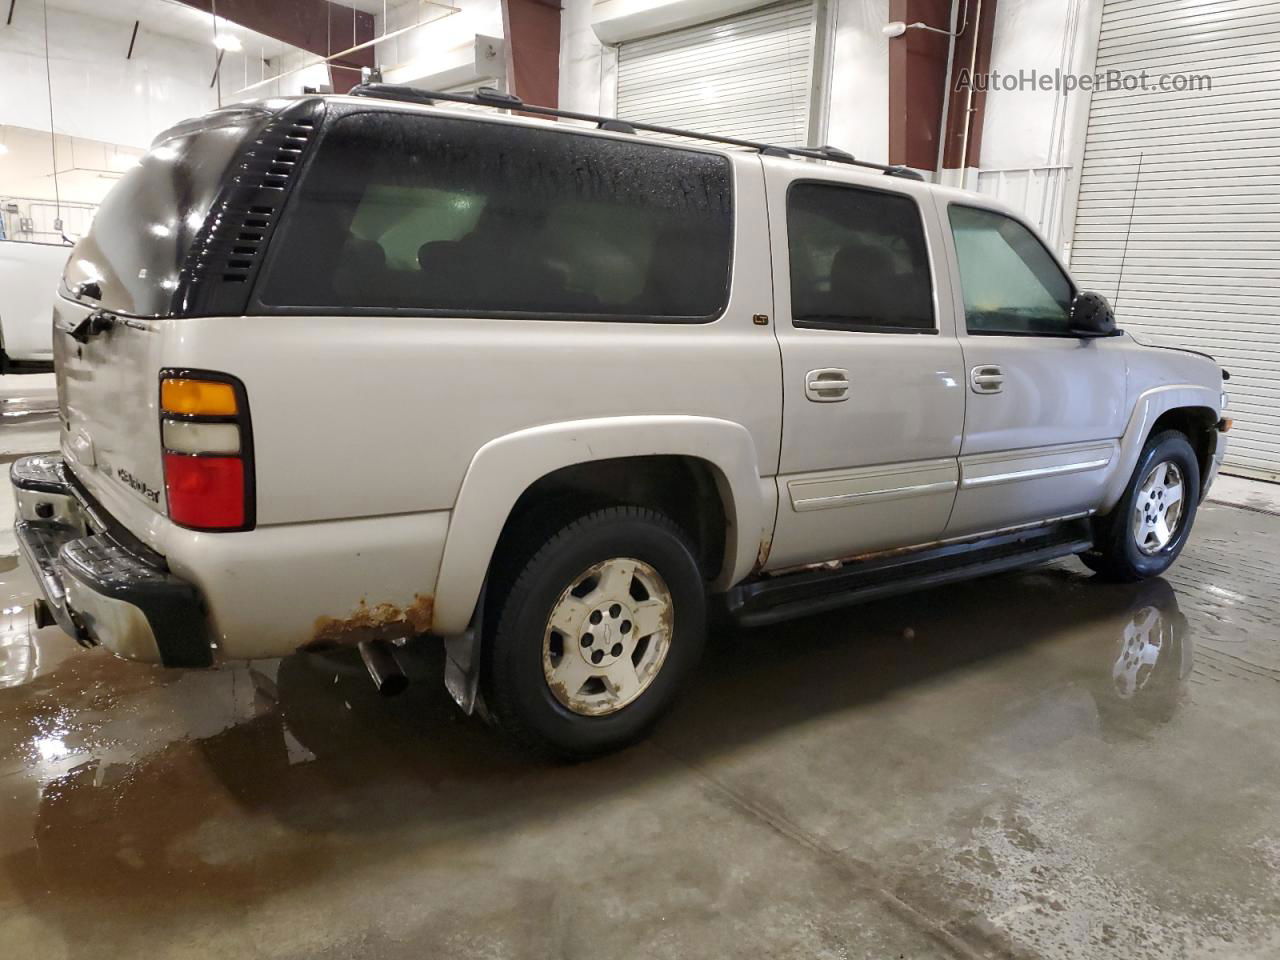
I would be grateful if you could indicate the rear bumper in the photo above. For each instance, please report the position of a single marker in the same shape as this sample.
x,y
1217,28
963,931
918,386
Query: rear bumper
x,y
100,585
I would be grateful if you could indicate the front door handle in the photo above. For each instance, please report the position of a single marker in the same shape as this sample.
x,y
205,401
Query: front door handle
x,y
986,378
828,385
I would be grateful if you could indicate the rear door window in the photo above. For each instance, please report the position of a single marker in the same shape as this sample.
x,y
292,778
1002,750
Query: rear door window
x,y
858,260
461,217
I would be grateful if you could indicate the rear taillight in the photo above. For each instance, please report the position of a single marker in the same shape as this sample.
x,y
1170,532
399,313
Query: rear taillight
x,y
208,450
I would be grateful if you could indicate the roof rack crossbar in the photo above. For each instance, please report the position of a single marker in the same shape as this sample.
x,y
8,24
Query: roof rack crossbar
x,y
489,97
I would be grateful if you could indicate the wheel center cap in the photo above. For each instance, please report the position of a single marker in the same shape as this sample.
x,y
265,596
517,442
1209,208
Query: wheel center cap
x,y
601,640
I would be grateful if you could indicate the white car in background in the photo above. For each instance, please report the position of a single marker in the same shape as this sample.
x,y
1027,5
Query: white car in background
x,y
29,275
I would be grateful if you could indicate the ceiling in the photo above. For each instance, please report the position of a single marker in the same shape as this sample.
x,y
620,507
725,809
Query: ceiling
x,y
173,19
178,19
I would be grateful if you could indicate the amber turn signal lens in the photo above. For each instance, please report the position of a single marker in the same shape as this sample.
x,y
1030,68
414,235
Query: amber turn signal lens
x,y
201,397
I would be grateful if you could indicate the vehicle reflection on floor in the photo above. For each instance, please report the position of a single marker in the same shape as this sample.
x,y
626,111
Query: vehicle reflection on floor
x,y
128,758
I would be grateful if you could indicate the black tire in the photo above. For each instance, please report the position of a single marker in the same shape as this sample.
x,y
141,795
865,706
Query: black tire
x,y
1116,555
515,687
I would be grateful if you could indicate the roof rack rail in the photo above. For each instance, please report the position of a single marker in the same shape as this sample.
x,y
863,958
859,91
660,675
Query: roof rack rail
x,y
489,97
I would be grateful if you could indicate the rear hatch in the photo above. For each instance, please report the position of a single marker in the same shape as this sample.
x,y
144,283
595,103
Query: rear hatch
x,y
126,288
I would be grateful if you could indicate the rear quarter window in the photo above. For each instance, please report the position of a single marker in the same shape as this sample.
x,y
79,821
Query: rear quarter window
x,y
460,217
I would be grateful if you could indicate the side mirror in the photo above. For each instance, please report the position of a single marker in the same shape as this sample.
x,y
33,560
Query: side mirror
x,y
1092,316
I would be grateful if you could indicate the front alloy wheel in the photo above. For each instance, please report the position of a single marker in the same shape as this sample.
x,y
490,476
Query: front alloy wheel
x,y
1157,510
1144,533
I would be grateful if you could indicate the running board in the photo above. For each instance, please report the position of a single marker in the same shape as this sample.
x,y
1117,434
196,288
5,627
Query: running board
x,y
769,600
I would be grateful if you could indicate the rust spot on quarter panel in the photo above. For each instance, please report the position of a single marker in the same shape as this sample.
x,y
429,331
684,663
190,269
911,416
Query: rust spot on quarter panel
x,y
380,622
762,555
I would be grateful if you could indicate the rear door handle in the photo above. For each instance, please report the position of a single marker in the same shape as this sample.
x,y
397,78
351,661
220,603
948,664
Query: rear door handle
x,y
828,385
986,378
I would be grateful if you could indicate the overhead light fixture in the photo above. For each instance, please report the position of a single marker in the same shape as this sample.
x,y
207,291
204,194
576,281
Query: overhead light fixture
x,y
897,28
228,42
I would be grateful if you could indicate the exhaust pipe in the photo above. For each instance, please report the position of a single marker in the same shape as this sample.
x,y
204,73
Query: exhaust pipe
x,y
380,660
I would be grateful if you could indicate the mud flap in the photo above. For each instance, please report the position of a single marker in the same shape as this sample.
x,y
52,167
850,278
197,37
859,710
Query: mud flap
x,y
462,662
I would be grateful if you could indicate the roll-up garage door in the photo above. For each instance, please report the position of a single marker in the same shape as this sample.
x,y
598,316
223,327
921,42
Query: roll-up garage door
x,y
1202,268
745,76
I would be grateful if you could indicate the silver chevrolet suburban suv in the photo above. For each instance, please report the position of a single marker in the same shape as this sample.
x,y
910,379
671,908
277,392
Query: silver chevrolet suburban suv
x,y
346,370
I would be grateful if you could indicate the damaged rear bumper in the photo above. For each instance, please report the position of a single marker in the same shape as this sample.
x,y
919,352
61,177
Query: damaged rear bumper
x,y
99,584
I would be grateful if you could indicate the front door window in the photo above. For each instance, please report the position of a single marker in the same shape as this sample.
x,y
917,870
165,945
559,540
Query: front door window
x,y
1012,285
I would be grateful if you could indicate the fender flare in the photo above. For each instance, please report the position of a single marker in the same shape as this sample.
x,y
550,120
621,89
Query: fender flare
x,y
505,467
1151,405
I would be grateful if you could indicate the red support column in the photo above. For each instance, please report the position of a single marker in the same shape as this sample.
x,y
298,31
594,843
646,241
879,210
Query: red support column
x,y
532,29
918,82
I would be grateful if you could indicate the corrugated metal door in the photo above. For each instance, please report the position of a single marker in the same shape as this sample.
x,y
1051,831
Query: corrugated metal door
x,y
1198,172
745,76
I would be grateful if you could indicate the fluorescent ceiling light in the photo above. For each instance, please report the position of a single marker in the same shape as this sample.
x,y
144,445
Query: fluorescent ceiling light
x,y
227,41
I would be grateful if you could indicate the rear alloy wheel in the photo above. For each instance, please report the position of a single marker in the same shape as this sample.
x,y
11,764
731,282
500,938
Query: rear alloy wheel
x,y
1147,529
607,636
599,630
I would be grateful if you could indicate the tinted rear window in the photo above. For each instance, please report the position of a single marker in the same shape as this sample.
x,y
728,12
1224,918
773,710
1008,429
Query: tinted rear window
x,y
138,243
461,217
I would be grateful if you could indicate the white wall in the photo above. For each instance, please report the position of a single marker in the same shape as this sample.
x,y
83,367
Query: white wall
x,y
288,73
87,169
1041,132
858,91
587,70
1036,128
442,51
97,93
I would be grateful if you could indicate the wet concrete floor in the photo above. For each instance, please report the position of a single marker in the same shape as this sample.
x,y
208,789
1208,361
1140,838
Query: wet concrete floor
x,y
1031,765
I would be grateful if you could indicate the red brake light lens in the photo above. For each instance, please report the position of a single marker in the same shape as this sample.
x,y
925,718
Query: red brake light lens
x,y
205,492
